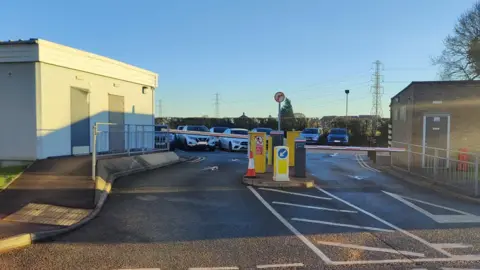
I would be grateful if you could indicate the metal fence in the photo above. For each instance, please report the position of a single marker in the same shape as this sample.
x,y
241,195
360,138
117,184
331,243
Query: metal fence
x,y
456,168
113,139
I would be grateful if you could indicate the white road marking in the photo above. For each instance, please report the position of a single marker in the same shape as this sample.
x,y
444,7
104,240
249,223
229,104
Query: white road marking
x,y
387,250
421,240
463,258
295,193
342,225
314,207
300,236
265,266
210,168
449,268
140,269
356,177
463,218
452,245
364,164
214,268
334,155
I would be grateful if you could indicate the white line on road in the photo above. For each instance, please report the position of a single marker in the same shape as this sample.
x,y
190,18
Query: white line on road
x,y
452,245
300,236
214,268
265,266
364,164
342,225
448,268
460,258
295,193
314,207
464,217
387,250
421,240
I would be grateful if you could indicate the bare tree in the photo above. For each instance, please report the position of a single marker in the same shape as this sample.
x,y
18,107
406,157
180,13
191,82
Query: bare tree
x,y
458,60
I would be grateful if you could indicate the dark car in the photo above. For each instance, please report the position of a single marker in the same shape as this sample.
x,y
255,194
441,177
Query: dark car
x,y
262,129
338,136
311,135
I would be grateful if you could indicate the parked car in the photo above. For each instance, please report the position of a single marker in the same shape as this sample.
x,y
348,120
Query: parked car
x,y
262,129
311,135
161,137
234,144
190,141
338,136
218,130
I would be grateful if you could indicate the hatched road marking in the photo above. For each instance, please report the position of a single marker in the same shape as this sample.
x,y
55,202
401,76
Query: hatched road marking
x,y
295,193
314,207
342,225
463,217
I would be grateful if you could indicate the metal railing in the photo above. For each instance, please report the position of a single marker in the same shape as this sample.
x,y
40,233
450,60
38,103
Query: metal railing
x,y
456,168
114,139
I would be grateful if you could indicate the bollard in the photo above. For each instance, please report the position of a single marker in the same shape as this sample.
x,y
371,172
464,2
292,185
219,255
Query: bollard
x,y
281,168
300,158
291,137
269,151
277,140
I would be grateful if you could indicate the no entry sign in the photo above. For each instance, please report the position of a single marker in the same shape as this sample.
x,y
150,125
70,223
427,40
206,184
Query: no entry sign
x,y
279,97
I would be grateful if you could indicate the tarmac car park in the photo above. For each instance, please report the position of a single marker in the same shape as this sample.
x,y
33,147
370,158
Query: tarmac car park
x,y
234,144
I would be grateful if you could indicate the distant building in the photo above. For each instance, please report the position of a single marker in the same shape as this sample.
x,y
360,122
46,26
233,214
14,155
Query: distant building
x,y
51,95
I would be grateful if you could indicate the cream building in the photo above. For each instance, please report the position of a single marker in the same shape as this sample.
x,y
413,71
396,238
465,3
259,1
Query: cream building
x,y
51,96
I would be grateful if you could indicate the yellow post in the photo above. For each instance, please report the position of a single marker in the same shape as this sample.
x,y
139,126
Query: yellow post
x,y
291,136
269,150
258,143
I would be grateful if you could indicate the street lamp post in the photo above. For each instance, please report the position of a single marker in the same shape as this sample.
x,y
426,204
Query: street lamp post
x,y
346,103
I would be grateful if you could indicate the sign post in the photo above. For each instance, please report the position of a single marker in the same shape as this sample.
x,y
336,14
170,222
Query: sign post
x,y
281,172
279,98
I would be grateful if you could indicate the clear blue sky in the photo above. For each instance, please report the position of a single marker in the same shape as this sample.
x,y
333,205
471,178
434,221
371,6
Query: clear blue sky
x,y
247,50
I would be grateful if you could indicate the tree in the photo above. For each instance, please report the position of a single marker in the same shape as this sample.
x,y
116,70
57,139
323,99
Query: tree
x,y
457,60
288,118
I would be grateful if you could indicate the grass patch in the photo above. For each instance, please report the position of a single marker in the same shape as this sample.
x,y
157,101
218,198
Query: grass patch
x,y
7,174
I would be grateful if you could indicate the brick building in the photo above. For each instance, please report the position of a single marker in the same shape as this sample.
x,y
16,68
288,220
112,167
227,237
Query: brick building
x,y
437,114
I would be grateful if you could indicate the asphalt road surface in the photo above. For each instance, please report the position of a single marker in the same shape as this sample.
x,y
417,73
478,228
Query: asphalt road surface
x,y
197,215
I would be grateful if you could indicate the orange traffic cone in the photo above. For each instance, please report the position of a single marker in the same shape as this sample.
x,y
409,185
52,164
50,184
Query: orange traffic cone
x,y
251,167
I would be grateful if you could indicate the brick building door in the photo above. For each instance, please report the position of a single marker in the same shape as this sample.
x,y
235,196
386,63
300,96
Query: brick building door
x,y
436,140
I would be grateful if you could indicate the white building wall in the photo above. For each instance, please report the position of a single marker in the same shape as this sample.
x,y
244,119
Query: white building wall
x,y
17,111
54,105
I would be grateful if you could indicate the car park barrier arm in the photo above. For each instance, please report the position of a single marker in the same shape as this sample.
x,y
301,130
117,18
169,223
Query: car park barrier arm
x,y
354,148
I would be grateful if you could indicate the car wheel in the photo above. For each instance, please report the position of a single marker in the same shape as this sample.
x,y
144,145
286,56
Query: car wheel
x,y
212,149
185,145
230,149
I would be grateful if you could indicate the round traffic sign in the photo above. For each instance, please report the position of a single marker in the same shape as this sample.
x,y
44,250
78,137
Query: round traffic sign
x,y
279,97
282,153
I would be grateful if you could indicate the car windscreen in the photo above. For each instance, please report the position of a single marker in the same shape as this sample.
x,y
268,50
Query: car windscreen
x,y
310,131
180,127
219,129
240,132
266,130
338,131
198,128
